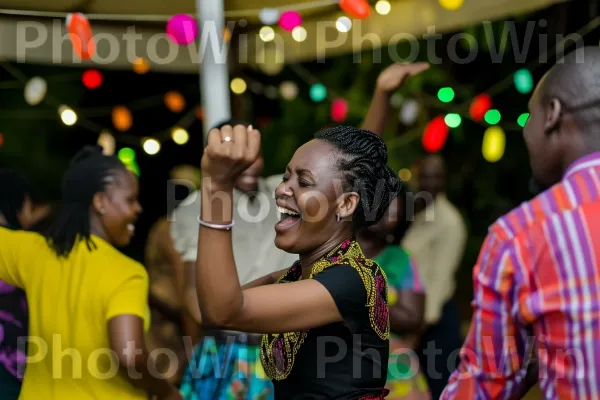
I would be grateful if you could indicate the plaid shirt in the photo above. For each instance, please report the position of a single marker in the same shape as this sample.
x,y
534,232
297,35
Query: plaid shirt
x,y
538,277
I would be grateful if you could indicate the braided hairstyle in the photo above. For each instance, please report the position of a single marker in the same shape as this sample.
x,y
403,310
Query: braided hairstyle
x,y
362,157
89,172
15,188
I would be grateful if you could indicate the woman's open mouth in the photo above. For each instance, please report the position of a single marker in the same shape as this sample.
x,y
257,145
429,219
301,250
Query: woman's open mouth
x,y
287,219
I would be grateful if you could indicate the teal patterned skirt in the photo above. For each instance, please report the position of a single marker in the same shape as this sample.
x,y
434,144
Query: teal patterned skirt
x,y
226,371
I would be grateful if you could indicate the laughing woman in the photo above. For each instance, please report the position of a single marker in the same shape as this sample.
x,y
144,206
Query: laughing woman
x,y
325,323
85,297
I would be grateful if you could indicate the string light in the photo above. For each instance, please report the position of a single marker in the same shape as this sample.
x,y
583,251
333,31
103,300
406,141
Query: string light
x,y
67,115
446,94
35,90
268,16
522,120
151,146
318,92
435,135
494,143
238,85
266,34
126,155
492,117
339,110
409,112
480,106
343,24
180,135
182,29
299,34
451,4
140,66
122,118
405,174
383,7
523,81
453,120
92,79
359,9
288,90
289,20
174,101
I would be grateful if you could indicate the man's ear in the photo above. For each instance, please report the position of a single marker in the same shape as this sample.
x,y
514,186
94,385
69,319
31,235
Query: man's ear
x,y
553,114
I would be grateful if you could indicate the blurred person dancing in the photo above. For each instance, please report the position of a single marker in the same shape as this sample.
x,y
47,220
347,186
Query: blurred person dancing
x,y
406,301
17,211
537,279
325,320
237,352
437,243
84,295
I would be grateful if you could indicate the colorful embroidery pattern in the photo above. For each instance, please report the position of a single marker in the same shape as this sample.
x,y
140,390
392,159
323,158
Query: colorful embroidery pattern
x,y
278,351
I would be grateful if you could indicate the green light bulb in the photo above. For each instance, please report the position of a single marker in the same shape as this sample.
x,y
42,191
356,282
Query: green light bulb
x,y
318,92
492,117
446,94
453,120
522,120
126,155
523,81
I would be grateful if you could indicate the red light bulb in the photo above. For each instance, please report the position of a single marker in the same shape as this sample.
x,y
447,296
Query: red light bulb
x,y
92,79
435,134
479,106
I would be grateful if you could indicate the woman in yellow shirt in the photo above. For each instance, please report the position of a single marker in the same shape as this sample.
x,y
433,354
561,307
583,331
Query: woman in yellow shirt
x,y
87,301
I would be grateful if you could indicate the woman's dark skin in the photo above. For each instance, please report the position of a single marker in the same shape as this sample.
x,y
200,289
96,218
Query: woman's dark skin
x,y
309,187
111,214
406,316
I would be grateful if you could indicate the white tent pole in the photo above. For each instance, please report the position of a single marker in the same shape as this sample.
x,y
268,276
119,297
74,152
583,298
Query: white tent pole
x,y
214,76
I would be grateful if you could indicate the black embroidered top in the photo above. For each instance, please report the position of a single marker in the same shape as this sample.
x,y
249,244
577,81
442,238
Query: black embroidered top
x,y
345,360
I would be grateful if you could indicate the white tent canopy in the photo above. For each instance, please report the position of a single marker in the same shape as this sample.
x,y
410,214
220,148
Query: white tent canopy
x,y
33,31
37,39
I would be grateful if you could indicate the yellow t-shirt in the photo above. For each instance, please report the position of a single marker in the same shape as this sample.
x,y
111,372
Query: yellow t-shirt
x,y
70,303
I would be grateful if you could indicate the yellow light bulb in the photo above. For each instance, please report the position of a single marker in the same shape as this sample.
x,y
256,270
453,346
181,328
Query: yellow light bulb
x,y
238,85
266,34
180,135
451,4
383,7
151,146
494,143
67,115
405,174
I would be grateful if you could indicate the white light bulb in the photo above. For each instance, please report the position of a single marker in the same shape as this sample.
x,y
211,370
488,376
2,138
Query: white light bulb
x,y
67,115
343,24
299,34
151,146
383,7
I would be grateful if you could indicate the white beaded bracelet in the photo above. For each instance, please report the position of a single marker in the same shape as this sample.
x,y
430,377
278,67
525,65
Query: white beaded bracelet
x,y
216,226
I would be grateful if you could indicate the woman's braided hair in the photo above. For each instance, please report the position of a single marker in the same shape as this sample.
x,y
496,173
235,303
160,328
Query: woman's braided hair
x,y
89,172
362,158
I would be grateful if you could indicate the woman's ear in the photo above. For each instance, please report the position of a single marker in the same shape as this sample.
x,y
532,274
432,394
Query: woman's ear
x,y
348,204
99,202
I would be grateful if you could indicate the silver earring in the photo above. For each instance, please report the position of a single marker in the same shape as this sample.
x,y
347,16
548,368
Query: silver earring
x,y
337,218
